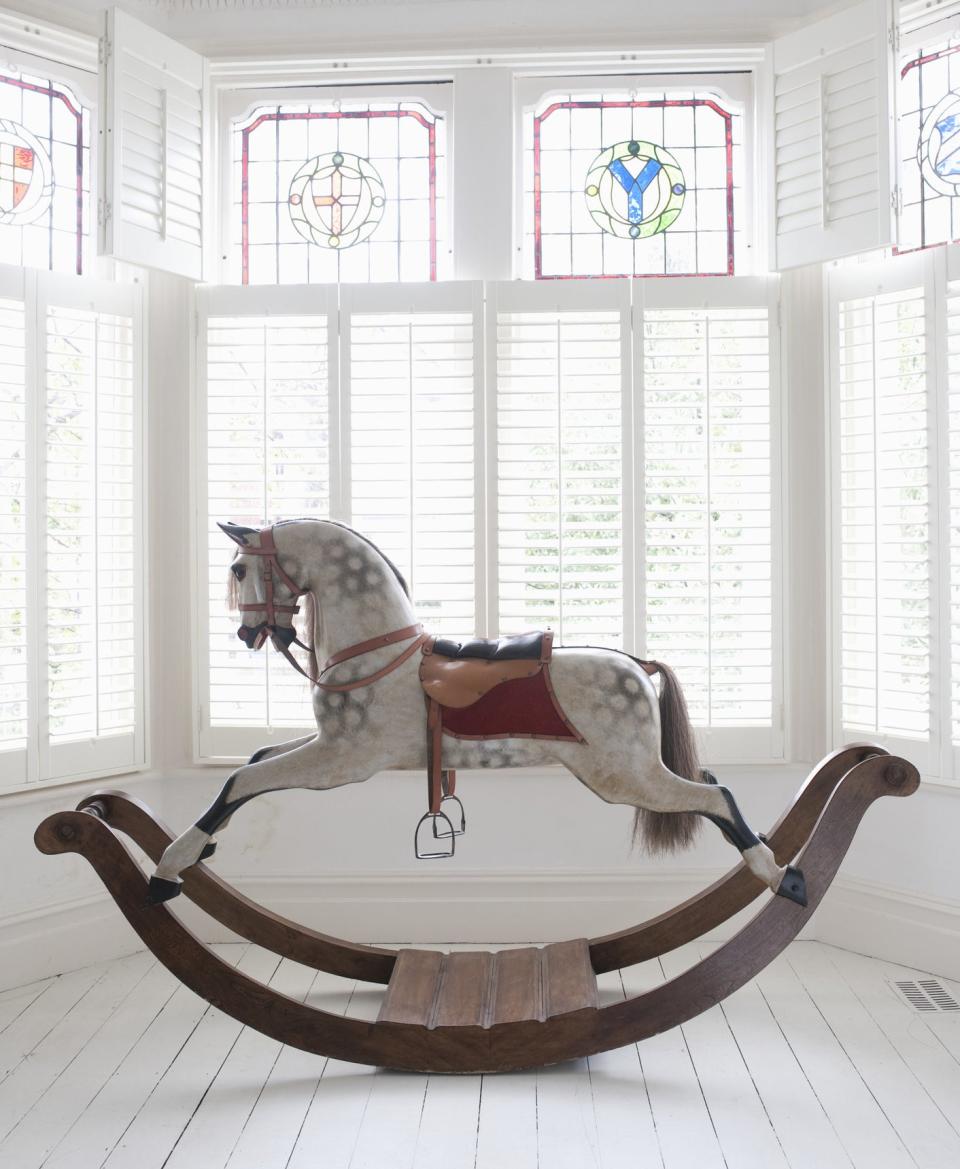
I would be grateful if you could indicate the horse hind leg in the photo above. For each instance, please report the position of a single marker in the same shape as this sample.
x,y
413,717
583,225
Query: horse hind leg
x,y
715,802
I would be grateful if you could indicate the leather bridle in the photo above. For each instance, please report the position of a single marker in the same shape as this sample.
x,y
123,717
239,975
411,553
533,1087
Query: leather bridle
x,y
283,636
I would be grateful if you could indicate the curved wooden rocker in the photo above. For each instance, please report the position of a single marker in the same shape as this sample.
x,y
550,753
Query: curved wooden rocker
x,y
485,1012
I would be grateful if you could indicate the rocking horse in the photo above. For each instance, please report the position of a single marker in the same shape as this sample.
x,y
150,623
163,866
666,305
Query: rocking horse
x,y
390,696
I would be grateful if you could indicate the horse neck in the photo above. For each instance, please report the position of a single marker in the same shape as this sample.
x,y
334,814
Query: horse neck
x,y
357,593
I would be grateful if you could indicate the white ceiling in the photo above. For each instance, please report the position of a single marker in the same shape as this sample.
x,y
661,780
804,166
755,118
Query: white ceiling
x,y
373,27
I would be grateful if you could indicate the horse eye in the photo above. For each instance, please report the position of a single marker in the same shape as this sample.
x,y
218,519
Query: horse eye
x,y
238,570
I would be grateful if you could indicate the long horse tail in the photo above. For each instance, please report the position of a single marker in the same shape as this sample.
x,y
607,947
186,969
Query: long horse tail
x,y
664,832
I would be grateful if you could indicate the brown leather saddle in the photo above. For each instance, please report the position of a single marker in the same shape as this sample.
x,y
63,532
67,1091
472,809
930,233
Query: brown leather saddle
x,y
455,676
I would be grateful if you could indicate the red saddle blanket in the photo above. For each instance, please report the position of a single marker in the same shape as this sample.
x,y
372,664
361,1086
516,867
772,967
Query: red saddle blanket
x,y
522,708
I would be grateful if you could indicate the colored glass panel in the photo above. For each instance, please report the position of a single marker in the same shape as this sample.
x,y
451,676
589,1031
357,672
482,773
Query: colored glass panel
x,y
44,184
339,191
929,104
631,185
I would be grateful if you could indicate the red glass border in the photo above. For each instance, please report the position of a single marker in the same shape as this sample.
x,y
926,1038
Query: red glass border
x,y
51,92
661,103
307,115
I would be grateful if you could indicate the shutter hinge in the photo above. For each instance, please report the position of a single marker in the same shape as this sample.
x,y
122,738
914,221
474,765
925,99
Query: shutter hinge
x,y
104,211
104,50
896,199
893,36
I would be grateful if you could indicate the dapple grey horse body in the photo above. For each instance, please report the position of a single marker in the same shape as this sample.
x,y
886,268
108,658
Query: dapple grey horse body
x,y
359,596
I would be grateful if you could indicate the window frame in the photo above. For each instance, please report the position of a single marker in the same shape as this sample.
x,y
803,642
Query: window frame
x,y
233,104
86,85
740,85
936,26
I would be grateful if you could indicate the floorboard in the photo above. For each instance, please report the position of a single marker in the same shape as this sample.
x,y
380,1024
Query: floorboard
x,y
817,1064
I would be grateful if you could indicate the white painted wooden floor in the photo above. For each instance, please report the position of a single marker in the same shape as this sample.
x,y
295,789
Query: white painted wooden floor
x,y
816,1065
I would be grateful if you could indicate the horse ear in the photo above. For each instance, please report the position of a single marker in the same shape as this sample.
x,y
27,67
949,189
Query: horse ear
x,y
237,533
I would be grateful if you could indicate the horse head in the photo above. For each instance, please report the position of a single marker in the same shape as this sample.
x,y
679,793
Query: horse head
x,y
260,588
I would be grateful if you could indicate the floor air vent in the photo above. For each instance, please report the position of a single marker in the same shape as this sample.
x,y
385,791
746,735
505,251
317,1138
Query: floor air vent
x,y
926,994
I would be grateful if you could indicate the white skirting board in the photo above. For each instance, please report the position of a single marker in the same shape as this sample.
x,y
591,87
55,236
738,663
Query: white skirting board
x,y
481,907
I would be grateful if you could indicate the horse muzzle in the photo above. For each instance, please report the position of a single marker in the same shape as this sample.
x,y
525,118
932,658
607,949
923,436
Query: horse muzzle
x,y
254,637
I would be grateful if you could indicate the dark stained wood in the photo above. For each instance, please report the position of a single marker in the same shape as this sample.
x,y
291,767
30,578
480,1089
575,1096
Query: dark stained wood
x,y
503,1046
245,917
482,990
413,988
734,891
464,990
517,987
569,983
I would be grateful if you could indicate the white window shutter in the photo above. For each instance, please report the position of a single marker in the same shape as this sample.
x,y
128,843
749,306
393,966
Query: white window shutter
x,y
269,387
412,379
14,539
153,124
885,591
832,137
709,480
562,441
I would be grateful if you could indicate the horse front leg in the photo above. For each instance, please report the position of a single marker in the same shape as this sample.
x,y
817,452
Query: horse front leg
x,y
271,751
309,765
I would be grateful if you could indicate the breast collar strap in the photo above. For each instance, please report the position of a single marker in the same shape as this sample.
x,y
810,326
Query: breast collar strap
x,y
365,647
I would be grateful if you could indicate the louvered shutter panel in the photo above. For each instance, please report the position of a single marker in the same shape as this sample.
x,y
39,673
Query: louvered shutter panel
x,y
152,149
561,378
13,544
832,137
268,451
709,491
884,534
412,379
953,447
91,492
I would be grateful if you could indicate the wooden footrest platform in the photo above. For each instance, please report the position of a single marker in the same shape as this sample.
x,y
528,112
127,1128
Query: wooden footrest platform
x,y
481,989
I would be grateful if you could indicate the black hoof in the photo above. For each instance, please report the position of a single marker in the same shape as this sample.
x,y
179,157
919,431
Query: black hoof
x,y
793,886
162,890
208,851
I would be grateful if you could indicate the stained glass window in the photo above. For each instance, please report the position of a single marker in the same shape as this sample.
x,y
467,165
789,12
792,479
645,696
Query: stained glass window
x,y
929,104
44,173
340,190
632,184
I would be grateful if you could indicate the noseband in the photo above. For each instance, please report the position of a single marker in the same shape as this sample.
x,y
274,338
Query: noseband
x,y
283,636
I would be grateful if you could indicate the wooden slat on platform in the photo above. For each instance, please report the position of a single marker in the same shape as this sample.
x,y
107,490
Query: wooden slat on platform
x,y
413,987
569,983
517,991
463,991
482,989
